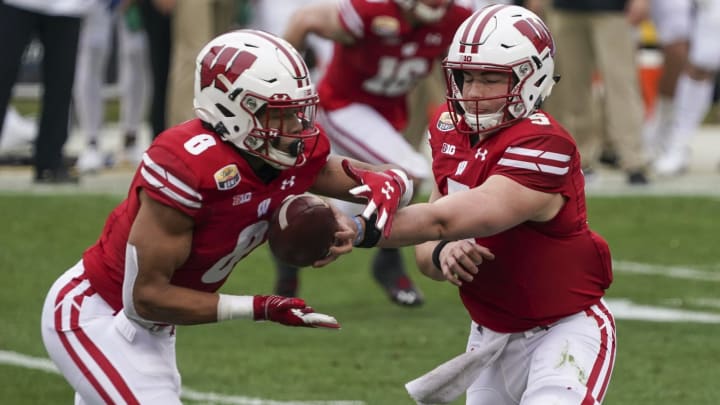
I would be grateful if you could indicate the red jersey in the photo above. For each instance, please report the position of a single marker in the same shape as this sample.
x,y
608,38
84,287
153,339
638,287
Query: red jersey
x,y
387,59
542,271
192,170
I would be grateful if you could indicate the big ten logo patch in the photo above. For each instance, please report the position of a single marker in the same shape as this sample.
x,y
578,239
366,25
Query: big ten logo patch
x,y
447,149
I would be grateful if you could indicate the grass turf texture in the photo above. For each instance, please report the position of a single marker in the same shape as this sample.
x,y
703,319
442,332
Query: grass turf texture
x,y
381,346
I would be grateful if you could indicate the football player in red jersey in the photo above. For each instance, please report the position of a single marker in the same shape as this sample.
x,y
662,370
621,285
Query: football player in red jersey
x,y
509,209
200,201
382,49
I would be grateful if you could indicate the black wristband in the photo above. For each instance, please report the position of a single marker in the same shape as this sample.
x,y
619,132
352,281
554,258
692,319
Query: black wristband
x,y
372,234
436,253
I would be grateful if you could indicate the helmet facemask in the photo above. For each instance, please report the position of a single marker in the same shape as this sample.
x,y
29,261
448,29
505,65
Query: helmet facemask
x,y
283,132
470,107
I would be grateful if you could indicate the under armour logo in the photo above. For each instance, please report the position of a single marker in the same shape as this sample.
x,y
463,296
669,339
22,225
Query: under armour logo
x,y
481,153
387,190
287,183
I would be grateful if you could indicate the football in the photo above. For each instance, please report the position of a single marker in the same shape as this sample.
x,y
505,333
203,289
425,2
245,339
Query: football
x,y
302,230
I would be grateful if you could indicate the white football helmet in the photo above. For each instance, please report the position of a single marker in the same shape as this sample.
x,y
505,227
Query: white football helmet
x,y
424,12
245,75
507,39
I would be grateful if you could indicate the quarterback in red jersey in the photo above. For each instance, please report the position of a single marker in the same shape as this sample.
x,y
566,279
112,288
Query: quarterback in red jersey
x,y
382,49
200,202
509,210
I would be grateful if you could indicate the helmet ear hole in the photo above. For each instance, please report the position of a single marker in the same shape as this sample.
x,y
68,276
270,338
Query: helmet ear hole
x,y
221,129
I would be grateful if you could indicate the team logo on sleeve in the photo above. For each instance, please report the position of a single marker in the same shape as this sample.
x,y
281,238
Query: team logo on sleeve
x,y
227,177
445,122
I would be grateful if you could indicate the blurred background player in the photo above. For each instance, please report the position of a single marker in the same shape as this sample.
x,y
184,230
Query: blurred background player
x,y
199,203
194,23
99,27
693,93
671,21
157,20
381,51
598,37
273,16
56,24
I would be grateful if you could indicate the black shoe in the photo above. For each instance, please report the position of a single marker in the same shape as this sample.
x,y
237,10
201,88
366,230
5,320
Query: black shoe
x,y
610,158
389,271
589,174
287,281
637,178
61,175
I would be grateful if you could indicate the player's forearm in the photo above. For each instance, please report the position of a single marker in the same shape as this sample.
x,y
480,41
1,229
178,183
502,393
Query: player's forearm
x,y
175,305
423,259
319,19
297,30
305,21
332,180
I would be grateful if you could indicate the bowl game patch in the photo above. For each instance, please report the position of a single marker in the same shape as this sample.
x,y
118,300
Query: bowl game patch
x,y
227,177
445,122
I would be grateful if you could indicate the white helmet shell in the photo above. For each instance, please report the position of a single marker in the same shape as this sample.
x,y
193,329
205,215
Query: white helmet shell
x,y
502,38
243,73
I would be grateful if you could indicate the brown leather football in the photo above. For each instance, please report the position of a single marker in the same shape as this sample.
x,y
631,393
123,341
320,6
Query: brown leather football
x,y
302,230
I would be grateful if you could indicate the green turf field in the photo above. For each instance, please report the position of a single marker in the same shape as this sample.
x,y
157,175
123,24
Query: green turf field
x,y
668,256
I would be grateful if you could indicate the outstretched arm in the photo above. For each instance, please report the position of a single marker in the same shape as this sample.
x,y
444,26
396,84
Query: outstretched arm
x,y
160,241
497,205
320,19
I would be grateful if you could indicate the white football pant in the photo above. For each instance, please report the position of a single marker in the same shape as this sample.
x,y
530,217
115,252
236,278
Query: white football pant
x,y
569,363
106,358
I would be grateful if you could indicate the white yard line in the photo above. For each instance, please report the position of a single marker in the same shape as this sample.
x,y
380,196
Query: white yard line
x,y
681,272
43,364
626,309
706,302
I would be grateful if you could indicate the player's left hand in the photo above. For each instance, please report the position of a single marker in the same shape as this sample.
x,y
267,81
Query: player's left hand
x,y
459,260
290,311
384,191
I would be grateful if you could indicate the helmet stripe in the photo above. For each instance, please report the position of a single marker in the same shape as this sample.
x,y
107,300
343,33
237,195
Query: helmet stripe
x,y
489,12
297,63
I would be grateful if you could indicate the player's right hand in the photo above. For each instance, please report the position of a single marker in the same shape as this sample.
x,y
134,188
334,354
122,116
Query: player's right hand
x,y
290,311
385,191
